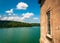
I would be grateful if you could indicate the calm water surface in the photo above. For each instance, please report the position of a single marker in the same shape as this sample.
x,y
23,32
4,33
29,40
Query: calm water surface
x,y
20,35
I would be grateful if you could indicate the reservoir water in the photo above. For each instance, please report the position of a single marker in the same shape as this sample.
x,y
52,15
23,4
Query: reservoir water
x,y
20,35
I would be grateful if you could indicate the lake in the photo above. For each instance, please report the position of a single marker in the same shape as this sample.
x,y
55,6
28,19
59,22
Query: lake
x,y
20,35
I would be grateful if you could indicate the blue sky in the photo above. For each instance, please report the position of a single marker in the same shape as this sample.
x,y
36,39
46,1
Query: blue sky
x,y
20,10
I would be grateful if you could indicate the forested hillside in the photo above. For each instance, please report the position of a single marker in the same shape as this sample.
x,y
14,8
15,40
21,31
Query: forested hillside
x,y
17,24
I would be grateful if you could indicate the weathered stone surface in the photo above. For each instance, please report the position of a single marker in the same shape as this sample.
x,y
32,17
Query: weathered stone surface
x,y
54,7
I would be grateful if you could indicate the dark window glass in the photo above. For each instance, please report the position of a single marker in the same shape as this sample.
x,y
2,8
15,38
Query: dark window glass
x,y
48,16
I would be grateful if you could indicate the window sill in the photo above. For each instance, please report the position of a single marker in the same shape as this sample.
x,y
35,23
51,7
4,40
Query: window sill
x,y
49,37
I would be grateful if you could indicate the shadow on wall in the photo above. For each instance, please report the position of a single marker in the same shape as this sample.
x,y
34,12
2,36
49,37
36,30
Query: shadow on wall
x,y
41,2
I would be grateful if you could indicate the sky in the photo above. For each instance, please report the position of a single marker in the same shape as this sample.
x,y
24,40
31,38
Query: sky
x,y
20,10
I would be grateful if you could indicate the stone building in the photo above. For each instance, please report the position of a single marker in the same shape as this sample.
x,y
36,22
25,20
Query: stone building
x,y
50,21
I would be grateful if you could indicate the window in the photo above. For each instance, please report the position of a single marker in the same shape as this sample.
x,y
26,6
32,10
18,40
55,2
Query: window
x,y
48,19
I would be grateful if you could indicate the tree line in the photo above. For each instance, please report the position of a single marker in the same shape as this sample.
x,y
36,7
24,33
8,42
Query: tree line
x,y
16,24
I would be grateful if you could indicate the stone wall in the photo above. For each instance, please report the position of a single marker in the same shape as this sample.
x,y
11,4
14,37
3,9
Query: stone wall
x,y
54,7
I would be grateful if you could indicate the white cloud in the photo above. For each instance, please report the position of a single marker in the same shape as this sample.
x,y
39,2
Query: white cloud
x,y
9,12
12,18
27,15
21,18
22,6
35,18
4,18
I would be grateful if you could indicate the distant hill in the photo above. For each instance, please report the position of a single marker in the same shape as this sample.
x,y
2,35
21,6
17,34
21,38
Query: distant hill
x,y
8,24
